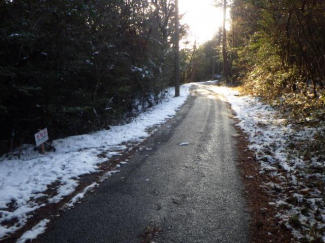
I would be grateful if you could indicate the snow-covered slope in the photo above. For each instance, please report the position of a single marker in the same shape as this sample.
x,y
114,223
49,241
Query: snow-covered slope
x,y
24,180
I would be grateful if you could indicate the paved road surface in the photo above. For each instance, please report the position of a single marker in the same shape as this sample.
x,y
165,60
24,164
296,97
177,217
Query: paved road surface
x,y
187,193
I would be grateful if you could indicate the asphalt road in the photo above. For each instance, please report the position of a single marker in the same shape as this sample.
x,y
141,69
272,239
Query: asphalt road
x,y
169,193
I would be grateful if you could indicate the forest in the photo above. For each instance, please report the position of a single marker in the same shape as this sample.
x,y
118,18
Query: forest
x,y
276,51
81,66
104,70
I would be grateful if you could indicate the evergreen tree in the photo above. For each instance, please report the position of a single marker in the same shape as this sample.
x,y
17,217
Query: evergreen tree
x,y
78,66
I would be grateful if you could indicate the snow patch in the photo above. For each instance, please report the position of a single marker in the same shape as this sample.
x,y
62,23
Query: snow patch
x,y
280,148
184,144
81,195
34,232
25,179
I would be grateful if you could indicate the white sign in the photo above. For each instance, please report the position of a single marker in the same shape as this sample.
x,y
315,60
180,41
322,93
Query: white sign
x,y
41,137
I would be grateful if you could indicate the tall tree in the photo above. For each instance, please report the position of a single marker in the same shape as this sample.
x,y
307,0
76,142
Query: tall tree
x,y
223,4
280,52
177,71
78,66
224,42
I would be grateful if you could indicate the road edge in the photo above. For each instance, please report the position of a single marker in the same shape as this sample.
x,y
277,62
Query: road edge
x,y
264,226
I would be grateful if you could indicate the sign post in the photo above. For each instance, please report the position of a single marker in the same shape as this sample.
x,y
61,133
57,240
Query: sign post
x,y
40,138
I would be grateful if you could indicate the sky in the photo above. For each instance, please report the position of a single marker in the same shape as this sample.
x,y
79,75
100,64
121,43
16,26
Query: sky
x,y
203,18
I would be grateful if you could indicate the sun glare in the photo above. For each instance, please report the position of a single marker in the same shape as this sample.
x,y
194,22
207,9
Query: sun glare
x,y
202,17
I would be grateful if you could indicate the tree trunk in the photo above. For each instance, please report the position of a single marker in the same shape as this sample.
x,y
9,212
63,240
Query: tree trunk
x,y
224,43
177,81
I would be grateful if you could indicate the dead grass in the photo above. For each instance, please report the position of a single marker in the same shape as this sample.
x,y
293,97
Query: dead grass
x,y
264,226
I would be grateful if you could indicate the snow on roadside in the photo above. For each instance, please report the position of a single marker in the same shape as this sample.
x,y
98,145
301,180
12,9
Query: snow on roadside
x,y
23,181
281,149
80,195
34,232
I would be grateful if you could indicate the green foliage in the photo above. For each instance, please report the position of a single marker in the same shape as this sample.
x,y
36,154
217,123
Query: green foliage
x,y
278,52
